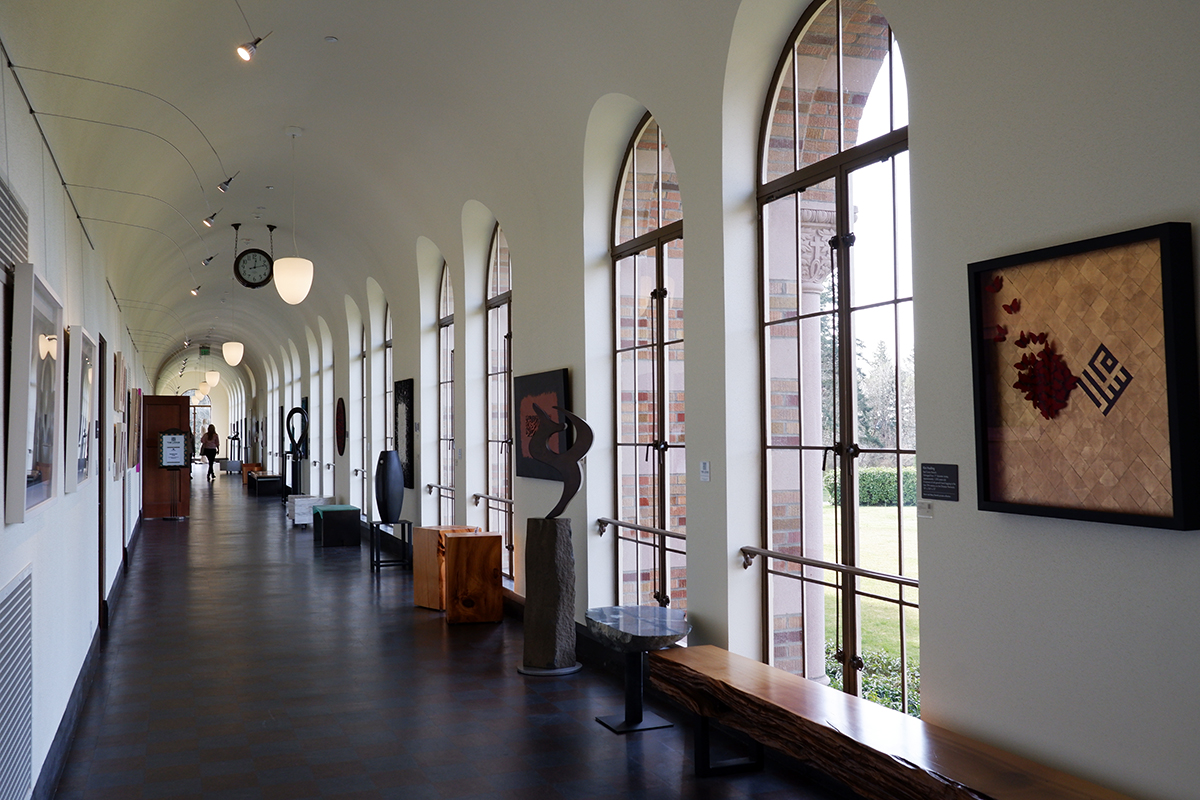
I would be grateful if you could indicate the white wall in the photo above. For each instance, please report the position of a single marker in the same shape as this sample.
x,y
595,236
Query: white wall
x,y
1034,124
59,541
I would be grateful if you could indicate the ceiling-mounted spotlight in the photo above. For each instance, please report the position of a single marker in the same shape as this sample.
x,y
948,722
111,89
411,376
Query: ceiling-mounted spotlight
x,y
246,51
208,260
186,342
224,185
196,291
208,221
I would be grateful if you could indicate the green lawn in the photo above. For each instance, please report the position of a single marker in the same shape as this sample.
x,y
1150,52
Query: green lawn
x,y
879,551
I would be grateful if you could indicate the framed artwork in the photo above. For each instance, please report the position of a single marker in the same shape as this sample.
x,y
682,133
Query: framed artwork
x,y
404,427
120,382
34,400
80,370
1086,383
135,428
548,390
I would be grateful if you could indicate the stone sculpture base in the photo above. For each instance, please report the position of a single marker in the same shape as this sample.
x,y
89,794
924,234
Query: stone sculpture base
x,y
549,599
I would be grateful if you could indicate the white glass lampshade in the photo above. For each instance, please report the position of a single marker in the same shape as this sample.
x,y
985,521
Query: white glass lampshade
x,y
202,390
293,279
233,352
213,377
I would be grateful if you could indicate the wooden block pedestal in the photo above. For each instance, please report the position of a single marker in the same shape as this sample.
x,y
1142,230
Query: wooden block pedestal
x,y
456,569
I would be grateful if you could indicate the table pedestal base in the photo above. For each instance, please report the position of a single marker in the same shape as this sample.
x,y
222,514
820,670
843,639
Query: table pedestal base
x,y
635,719
539,672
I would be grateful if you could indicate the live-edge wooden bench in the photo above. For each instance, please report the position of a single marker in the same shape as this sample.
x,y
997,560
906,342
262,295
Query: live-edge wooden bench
x,y
879,753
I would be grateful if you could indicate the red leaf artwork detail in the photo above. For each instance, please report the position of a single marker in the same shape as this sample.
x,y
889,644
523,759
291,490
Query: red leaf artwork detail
x,y
995,285
1045,380
1013,307
1001,332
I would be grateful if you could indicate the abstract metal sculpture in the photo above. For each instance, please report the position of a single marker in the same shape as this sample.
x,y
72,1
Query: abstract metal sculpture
x,y
566,462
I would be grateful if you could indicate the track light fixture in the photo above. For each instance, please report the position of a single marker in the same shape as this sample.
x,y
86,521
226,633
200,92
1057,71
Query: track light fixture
x,y
208,221
246,51
224,185
208,260
196,291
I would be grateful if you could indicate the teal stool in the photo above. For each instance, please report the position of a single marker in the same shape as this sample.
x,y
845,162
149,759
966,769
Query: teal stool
x,y
336,526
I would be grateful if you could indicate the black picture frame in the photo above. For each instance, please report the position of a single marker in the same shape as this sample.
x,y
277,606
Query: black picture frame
x,y
1085,380
548,390
403,426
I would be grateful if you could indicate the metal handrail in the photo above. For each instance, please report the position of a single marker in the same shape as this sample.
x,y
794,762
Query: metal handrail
x,y
662,593
478,497
603,522
429,487
748,554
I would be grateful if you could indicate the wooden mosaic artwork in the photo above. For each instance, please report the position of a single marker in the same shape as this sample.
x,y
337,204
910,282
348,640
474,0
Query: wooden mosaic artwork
x,y
1108,448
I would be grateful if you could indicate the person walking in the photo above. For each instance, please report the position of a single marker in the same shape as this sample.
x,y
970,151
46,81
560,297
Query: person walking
x,y
210,443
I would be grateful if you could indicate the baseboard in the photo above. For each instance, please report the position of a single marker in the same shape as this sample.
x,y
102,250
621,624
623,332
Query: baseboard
x,y
60,747
135,535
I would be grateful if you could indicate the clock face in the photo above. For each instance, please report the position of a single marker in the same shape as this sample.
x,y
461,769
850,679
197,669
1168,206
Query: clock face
x,y
253,268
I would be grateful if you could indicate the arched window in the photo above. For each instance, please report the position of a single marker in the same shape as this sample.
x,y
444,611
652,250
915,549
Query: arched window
x,y
837,341
647,255
499,396
446,399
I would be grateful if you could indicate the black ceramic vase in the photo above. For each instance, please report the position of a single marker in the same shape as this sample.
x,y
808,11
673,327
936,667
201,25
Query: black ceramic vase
x,y
389,486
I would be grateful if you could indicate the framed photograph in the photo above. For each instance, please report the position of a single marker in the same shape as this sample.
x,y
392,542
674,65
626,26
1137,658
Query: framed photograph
x,y
404,427
34,401
1086,383
80,371
549,391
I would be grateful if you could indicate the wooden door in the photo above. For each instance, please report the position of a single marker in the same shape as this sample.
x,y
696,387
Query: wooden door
x,y
165,492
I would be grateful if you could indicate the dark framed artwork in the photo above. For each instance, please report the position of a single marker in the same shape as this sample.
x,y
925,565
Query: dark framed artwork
x,y
549,391
80,372
34,403
1086,383
404,427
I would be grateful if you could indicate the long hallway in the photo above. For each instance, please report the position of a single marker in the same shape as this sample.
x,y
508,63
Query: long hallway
x,y
244,662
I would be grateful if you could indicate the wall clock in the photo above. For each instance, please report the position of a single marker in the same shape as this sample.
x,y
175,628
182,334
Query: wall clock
x,y
253,268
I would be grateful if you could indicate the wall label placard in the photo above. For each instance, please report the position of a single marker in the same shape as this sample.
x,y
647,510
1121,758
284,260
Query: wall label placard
x,y
172,449
939,482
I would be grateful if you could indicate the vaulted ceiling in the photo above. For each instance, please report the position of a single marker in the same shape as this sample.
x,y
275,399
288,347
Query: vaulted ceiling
x,y
414,110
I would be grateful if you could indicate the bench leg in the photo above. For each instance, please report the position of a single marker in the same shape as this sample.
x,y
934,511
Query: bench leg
x,y
702,755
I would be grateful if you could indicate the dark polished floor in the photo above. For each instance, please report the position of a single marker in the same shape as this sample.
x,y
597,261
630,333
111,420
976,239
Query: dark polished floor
x,y
243,662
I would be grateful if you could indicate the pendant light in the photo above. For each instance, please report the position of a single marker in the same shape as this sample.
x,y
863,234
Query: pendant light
x,y
203,389
293,275
233,351
213,377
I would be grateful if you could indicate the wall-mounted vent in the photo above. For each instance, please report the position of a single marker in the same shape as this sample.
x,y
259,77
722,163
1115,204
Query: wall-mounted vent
x,y
14,229
16,688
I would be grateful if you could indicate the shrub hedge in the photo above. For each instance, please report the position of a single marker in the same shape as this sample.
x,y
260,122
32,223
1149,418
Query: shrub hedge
x,y
877,486
879,679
